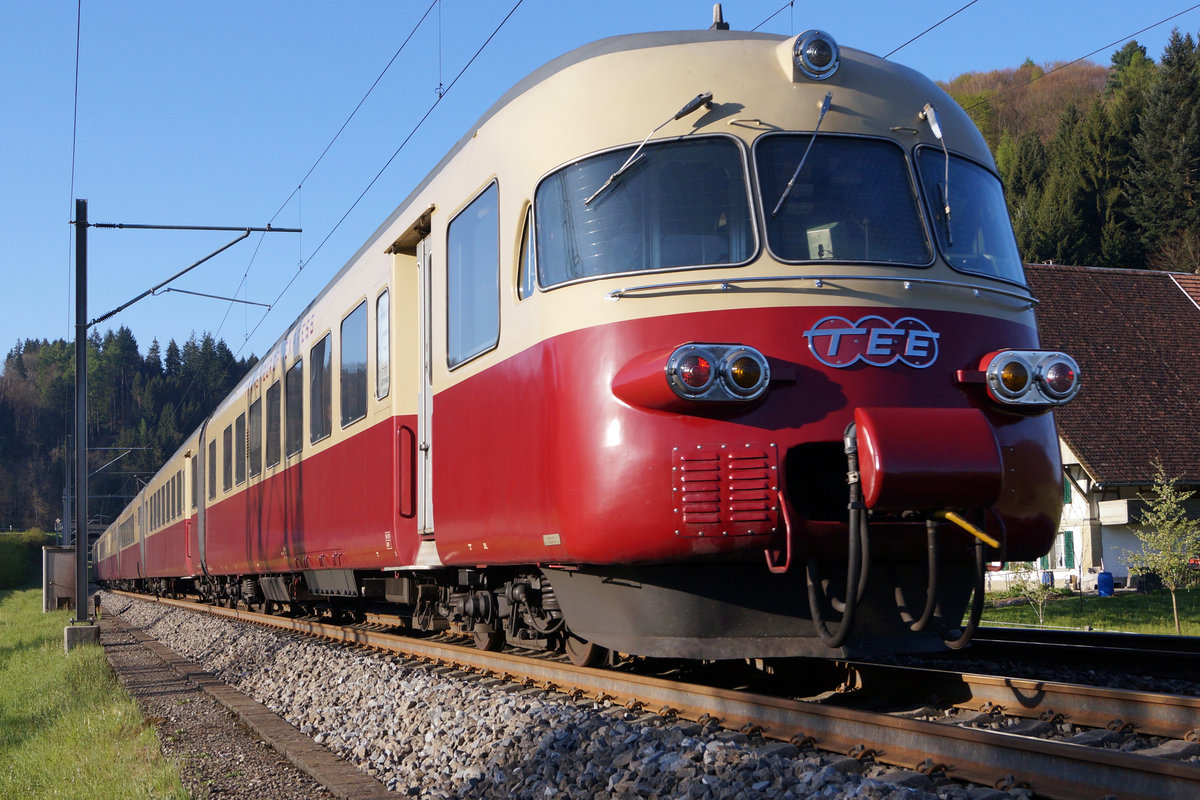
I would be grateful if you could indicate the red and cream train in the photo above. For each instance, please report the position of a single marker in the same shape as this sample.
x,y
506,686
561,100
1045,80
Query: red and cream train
x,y
763,383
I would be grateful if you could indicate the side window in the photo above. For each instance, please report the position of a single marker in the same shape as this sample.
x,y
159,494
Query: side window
x,y
212,469
353,375
239,448
274,417
227,458
195,483
383,360
528,269
256,437
179,493
473,274
295,408
320,390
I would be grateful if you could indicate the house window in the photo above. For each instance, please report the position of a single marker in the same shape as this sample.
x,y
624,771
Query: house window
x,y
1064,550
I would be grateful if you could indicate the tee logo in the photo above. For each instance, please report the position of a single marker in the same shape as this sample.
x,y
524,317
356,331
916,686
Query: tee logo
x,y
838,342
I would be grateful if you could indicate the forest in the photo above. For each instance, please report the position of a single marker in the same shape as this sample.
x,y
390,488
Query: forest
x,y
1101,167
145,405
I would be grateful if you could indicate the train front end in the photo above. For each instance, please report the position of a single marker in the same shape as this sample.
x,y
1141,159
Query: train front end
x,y
790,395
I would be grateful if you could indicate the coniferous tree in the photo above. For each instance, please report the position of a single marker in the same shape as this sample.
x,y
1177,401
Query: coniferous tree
x,y
1164,181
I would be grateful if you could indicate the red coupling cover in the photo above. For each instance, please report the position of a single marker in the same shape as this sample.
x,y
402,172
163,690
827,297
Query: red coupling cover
x,y
927,458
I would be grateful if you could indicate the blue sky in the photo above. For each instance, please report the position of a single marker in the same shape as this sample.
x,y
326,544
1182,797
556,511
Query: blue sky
x,y
212,114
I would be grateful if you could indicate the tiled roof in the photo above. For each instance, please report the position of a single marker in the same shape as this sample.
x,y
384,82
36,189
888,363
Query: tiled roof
x,y
1136,336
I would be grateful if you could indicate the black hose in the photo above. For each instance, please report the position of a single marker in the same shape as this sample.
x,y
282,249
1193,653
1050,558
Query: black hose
x,y
931,586
976,603
857,555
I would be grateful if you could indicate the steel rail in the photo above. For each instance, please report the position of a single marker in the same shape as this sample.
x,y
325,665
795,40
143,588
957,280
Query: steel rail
x,y
1052,769
1149,713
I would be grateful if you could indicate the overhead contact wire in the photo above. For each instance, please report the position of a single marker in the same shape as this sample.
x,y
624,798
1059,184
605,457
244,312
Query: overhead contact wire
x,y
1081,58
388,163
931,27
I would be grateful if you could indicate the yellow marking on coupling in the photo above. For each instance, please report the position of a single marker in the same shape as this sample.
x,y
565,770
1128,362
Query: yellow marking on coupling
x,y
968,527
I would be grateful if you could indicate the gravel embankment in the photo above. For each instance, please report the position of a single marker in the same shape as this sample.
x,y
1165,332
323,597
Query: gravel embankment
x,y
433,733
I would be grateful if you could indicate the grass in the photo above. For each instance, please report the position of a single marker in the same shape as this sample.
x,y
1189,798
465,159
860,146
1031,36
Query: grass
x,y
1130,612
67,728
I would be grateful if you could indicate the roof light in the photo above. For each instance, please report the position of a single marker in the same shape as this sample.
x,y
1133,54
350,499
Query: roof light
x,y
816,55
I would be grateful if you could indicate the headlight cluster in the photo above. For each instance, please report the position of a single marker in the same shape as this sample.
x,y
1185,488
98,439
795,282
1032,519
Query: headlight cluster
x,y
1032,377
718,372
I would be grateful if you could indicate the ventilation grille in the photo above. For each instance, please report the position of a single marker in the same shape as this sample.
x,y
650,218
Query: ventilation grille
x,y
726,490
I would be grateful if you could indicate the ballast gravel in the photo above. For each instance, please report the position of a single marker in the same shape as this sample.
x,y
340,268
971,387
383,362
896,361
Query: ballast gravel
x,y
432,732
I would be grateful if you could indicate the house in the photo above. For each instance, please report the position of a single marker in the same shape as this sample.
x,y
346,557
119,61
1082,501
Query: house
x,y
1136,337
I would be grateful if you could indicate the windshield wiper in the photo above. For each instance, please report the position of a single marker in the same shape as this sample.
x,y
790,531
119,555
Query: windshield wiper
x,y
788,189
702,99
930,115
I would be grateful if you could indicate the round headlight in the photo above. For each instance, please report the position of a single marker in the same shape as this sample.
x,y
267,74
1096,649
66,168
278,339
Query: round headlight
x,y
695,371
690,371
1058,376
746,372
1009,376
1014,376
815,55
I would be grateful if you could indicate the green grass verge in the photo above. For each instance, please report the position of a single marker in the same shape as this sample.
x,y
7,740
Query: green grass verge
x,y
1130,612
67,728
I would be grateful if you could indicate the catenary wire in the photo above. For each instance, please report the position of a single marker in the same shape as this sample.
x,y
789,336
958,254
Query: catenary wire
x,y
1123,39
773,16
382,169
931,27
317,162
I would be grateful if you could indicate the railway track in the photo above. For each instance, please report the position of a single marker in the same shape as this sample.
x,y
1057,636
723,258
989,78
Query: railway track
x,y
1142,654
996,738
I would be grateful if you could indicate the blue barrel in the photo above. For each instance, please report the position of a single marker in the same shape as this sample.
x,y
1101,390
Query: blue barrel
x,y
1104,584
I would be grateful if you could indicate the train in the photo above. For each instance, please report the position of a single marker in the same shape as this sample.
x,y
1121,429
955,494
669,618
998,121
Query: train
x,y
699,344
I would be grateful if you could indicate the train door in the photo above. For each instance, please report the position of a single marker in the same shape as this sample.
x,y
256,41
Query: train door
x,y
201,495
425,391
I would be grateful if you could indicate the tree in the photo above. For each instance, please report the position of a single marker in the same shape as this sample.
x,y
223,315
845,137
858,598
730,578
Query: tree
x,y
1164,182
1169,539
1027,580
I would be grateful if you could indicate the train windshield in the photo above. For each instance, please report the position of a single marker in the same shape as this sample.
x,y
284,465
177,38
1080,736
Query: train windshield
x,y
682,203
977,238
852,201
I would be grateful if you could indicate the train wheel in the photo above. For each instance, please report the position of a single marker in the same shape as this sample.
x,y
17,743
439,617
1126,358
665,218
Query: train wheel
x,y
583,653
486,638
